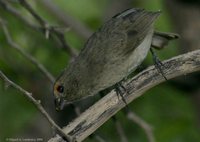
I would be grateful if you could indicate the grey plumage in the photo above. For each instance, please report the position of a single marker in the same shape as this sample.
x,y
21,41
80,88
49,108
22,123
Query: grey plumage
x,y
109,55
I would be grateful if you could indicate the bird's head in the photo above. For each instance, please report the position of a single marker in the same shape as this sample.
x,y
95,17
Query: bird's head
x,y
59,94
66,90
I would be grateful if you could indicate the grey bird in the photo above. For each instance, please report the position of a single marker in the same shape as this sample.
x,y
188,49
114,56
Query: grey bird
x,y
110,55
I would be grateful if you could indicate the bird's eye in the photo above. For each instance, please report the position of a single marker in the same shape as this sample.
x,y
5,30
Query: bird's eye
x,y
60,89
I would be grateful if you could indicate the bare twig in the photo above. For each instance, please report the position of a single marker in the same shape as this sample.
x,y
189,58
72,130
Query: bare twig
x,y
98,138
144,125
109,105
66,19
45,28
36,103
16,13
120,130
24,53
33,13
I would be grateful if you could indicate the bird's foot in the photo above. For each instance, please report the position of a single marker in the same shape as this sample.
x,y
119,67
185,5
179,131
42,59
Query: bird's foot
x,y
158,64
121,90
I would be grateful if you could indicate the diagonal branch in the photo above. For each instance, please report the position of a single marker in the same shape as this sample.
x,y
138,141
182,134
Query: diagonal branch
x,y
33,13
49,31
144,125
47,27
109,105
66,19
36,103
119,129
92,136
24,53
7,7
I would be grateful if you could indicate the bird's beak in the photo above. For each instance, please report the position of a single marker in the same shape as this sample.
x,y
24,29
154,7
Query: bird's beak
x,y
59,104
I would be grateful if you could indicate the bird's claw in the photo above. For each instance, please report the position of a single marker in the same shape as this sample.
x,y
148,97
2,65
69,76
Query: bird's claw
x,y
158,64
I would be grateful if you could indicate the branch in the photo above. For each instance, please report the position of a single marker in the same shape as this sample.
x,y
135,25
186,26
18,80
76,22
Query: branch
x,y
45,27
109,105
13,11
48,28
119,129
66,19
36,103
33,13
92,136
24,53
144,125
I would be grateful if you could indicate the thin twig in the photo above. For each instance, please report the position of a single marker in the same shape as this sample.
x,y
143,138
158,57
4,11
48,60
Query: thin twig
x,y
49,31
109,105
24,53
36,103
99,138
33,13
47,27
120,130
66,19
16,13
144,125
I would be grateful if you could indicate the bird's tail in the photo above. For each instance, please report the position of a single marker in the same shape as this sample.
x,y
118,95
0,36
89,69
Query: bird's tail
x,y
161,39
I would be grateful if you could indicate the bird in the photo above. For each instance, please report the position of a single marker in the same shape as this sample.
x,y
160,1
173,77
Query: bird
x,y
114,51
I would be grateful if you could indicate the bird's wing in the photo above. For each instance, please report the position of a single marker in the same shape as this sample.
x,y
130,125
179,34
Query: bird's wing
x,y
108,48
140,23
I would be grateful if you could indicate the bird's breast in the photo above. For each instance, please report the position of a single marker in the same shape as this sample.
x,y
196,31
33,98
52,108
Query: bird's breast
x,y
139,54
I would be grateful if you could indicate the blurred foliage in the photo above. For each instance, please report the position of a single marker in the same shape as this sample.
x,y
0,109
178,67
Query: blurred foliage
x,y
169,110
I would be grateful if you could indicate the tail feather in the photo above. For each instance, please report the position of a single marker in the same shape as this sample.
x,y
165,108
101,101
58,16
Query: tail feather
x,y
161,39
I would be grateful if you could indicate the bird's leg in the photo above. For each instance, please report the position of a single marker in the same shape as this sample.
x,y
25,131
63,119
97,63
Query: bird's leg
x,y
158,64
120,90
